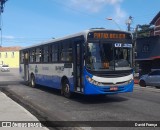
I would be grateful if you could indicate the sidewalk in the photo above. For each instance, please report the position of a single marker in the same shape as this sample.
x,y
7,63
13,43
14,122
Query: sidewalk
x,y
11,111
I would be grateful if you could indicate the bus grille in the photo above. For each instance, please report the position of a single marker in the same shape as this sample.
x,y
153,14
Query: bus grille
x,y
117,84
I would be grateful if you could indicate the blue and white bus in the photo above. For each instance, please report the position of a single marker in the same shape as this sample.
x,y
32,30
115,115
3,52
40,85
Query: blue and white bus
x,y
93,62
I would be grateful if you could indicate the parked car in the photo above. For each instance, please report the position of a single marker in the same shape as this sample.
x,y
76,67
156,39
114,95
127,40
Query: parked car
x,y
5,68
151,79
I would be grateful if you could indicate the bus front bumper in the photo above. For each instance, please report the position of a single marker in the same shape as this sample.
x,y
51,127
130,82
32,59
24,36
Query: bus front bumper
x,y
91,89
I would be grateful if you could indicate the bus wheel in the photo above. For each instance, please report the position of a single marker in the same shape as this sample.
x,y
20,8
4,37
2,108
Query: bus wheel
x,y
66,89
32,82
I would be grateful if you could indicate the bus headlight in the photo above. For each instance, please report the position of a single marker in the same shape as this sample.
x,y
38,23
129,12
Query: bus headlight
x,y
90,80
130,80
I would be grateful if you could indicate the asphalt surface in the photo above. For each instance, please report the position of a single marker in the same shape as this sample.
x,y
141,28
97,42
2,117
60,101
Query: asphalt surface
x,y
141,105
48,104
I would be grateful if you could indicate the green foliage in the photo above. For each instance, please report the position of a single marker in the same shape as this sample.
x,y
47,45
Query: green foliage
x,y
142,31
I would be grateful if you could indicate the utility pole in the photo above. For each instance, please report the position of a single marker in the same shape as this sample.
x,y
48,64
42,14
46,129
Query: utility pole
x,y
129,22
2,3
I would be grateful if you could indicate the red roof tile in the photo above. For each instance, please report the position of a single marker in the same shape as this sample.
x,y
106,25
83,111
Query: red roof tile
x,y
14,48
155,18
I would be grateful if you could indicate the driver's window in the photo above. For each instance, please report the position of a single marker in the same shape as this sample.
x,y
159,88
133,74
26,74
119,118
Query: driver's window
x,y
95,52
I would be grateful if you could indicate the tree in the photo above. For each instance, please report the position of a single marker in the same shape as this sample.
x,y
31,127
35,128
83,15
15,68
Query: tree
x,y
143,31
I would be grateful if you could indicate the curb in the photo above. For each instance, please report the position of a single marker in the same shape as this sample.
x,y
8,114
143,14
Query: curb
x,y
27,105
37,111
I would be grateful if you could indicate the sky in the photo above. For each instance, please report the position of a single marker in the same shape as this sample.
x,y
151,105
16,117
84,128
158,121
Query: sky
x,y
29,22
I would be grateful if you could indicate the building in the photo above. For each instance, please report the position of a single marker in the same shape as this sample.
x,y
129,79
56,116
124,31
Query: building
x,y
156,23
148,49
9,56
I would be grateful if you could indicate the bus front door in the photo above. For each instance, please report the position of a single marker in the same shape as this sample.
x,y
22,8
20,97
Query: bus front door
x,y
26,67
78,67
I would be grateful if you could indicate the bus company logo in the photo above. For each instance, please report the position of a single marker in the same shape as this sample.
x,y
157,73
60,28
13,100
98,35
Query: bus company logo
x,y
59,68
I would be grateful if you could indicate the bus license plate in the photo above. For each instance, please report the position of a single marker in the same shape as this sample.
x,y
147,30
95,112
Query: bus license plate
x,y
113,88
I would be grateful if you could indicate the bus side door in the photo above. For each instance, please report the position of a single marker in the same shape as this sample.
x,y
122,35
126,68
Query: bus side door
x,y
78,65
26,67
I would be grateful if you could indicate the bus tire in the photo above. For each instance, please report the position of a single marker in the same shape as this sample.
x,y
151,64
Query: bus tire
x,y
66,89
32,81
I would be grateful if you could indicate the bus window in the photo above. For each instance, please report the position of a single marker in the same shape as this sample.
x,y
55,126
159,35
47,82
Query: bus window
x,y
38,55
66,52
32,55
69,54
55,53
45,54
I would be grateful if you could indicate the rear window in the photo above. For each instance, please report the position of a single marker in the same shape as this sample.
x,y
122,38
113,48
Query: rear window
x,y
155,73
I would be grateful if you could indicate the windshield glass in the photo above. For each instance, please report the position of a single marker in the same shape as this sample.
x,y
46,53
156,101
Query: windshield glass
x,y
109,56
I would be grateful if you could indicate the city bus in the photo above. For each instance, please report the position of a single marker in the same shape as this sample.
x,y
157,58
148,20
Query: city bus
x,y
93,62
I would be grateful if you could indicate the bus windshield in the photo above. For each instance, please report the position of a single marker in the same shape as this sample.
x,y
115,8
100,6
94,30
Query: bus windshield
x,y
109,56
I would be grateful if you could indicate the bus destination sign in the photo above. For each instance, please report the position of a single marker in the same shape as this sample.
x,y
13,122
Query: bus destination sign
x,y
98,35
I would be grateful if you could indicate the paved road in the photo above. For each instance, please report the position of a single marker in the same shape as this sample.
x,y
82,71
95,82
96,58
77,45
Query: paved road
x,y
141,105
12,114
